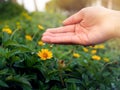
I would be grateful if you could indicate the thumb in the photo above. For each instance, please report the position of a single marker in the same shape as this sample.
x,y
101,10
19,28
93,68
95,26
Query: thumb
x,y
76,18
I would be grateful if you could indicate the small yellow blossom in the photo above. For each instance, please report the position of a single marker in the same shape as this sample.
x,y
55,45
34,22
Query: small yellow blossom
x,y
61,63
28,37
18,25
96,47
27,16
91,46
76,55
41,43
7,30
93,51
96,57
45,54
40,27
85,49
101,46
106,59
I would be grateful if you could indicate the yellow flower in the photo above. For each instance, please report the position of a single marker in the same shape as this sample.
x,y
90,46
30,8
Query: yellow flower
x,y
93,51
40,27
91,46
85,49
101,46
95,47
106,59
76,55
45,54
41,43
7,30
18,25
28,17
28,37
96,57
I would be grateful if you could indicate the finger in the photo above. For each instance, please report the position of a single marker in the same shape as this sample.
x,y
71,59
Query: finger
x,y
69,28
56,40
76,18
61,40
59,34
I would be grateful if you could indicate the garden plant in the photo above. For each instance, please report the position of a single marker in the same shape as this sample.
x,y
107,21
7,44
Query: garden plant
x,y
27,63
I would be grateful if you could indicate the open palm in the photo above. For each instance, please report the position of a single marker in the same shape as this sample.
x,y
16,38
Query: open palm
x,y
87,27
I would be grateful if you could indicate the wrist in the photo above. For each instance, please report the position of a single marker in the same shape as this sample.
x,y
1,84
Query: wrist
x,y
117,24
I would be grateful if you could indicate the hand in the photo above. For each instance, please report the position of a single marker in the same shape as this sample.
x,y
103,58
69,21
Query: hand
x,y
91,25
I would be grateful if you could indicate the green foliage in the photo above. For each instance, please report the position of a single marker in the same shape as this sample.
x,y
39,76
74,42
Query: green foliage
x,y
9,10
113,47
70,68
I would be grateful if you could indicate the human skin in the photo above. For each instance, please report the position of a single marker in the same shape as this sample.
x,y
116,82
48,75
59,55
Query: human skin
x,y
89,26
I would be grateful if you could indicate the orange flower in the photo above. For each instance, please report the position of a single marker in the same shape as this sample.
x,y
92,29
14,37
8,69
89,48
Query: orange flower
x,y
45,54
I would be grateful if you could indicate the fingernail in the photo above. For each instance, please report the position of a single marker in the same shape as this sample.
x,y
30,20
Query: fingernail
x,y
45,39
64,22
44,33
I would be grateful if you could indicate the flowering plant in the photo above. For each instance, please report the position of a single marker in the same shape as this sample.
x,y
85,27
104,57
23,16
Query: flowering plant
x,y
27,63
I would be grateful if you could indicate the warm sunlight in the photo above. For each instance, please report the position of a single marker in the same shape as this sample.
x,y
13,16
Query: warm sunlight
x,y
29,4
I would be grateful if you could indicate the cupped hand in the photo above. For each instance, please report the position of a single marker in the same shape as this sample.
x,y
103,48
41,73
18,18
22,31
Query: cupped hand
x,y
89,26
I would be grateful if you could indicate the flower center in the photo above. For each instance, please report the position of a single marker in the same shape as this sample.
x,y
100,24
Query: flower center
x,y
45,55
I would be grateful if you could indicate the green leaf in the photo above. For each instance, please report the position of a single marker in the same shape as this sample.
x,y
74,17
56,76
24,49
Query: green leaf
x,y
53,72
2,62
55,88
72,87
72,80
10,42
18,50
21,80
3,52
4,71
65,54
102,87
5,37
106,74
3,84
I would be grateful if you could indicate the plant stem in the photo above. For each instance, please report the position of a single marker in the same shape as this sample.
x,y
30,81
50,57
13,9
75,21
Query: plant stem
x,y
60,74
13,33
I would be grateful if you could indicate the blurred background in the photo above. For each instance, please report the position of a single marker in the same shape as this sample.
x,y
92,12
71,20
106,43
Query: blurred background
x,y
59,6
22,23
45,11
63,5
